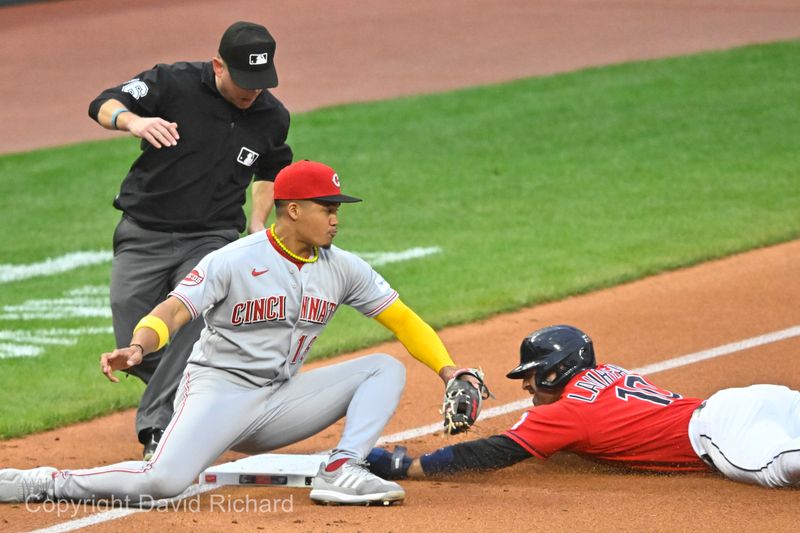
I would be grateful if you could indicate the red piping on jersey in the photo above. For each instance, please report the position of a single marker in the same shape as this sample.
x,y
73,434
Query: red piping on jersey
x,y
186,302
389,300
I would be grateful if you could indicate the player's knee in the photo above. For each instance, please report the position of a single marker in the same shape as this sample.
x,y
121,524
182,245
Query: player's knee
x,y
789,463
162,484
391,366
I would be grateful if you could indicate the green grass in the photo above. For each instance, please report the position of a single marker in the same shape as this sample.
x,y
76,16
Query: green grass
x,y
535,190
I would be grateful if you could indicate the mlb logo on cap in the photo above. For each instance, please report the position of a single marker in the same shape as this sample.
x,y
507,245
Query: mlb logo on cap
x,y
259,59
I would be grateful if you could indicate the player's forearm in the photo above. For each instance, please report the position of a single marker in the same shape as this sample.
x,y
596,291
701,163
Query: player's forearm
x,y
493,453
415,470
262,205
172,313
418,337
110,117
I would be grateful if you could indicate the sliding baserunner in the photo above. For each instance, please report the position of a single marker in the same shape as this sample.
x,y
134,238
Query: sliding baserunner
x,y
606,413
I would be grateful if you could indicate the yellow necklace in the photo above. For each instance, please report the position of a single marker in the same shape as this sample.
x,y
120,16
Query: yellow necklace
x,y
289,252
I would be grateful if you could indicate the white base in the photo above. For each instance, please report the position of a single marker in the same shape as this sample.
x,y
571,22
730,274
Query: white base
x,y
269,469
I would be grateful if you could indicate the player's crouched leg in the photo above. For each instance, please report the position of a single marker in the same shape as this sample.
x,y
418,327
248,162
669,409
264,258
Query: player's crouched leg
x,y
387,367
131,483
365,390
373,402
386,371
165,484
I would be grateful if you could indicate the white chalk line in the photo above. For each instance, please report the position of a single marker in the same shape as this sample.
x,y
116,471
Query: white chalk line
x,y
32,343
79,303
669,364
384,258
421,431
58,265
53,265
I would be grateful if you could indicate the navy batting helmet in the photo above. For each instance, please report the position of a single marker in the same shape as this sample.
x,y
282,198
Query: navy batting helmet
x,y
557,353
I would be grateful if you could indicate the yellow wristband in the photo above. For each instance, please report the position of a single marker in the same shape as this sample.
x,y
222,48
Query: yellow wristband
x,y
157,325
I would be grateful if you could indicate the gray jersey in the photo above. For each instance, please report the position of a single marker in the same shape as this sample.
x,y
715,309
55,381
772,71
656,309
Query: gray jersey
x,y
263,313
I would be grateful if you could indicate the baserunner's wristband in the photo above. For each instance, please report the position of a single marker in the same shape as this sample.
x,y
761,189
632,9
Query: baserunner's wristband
x,y
157,325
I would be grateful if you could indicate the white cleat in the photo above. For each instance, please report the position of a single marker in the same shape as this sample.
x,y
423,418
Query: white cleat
x,y
353,484
19,486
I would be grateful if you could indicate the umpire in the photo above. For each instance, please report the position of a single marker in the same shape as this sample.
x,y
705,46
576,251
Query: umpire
x,y
207,129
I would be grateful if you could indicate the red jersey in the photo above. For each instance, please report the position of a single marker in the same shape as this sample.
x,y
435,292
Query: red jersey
x,y
610,414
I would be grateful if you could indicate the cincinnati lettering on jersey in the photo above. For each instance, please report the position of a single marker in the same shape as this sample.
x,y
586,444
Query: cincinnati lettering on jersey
x,y
259,310
595,380
316,310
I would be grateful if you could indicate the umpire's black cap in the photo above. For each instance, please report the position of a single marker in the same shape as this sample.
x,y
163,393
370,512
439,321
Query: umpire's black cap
x,y
249,52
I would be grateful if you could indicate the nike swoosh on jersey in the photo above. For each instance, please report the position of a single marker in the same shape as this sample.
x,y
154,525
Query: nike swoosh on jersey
x,y
257,273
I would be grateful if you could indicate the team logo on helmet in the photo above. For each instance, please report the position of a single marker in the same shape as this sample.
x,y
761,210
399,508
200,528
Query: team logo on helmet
x,y
336,180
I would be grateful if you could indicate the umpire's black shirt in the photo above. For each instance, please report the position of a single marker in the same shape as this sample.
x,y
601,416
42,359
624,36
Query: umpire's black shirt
x,y
201,183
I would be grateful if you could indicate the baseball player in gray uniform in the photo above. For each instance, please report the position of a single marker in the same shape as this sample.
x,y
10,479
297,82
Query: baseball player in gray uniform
x,y
265,299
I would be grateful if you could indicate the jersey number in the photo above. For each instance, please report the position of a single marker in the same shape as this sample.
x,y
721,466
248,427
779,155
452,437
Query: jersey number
x,y
302,349
638,387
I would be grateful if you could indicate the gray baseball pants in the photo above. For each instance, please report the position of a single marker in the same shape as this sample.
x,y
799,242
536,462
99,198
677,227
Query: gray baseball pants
x,y
147,265
216,411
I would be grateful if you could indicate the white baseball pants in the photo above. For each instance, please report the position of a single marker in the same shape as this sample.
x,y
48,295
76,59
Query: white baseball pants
x,y
751,434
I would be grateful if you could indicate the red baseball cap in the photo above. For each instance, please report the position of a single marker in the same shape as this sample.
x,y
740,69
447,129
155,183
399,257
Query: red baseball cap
x,y
309,180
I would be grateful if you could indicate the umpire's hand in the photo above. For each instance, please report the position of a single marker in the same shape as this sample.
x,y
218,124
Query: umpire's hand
x,y
154,130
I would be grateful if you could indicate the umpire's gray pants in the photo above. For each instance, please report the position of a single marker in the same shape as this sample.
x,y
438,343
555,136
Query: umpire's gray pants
x,y
147,265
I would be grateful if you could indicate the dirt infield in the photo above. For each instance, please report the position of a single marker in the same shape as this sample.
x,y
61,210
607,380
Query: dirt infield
x,y
390,50
633,325
63,53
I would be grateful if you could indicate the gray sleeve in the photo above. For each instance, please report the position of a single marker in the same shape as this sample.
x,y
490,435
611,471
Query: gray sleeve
x,y
207,284
367,291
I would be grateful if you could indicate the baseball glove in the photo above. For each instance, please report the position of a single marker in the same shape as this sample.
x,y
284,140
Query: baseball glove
x,y
462,400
